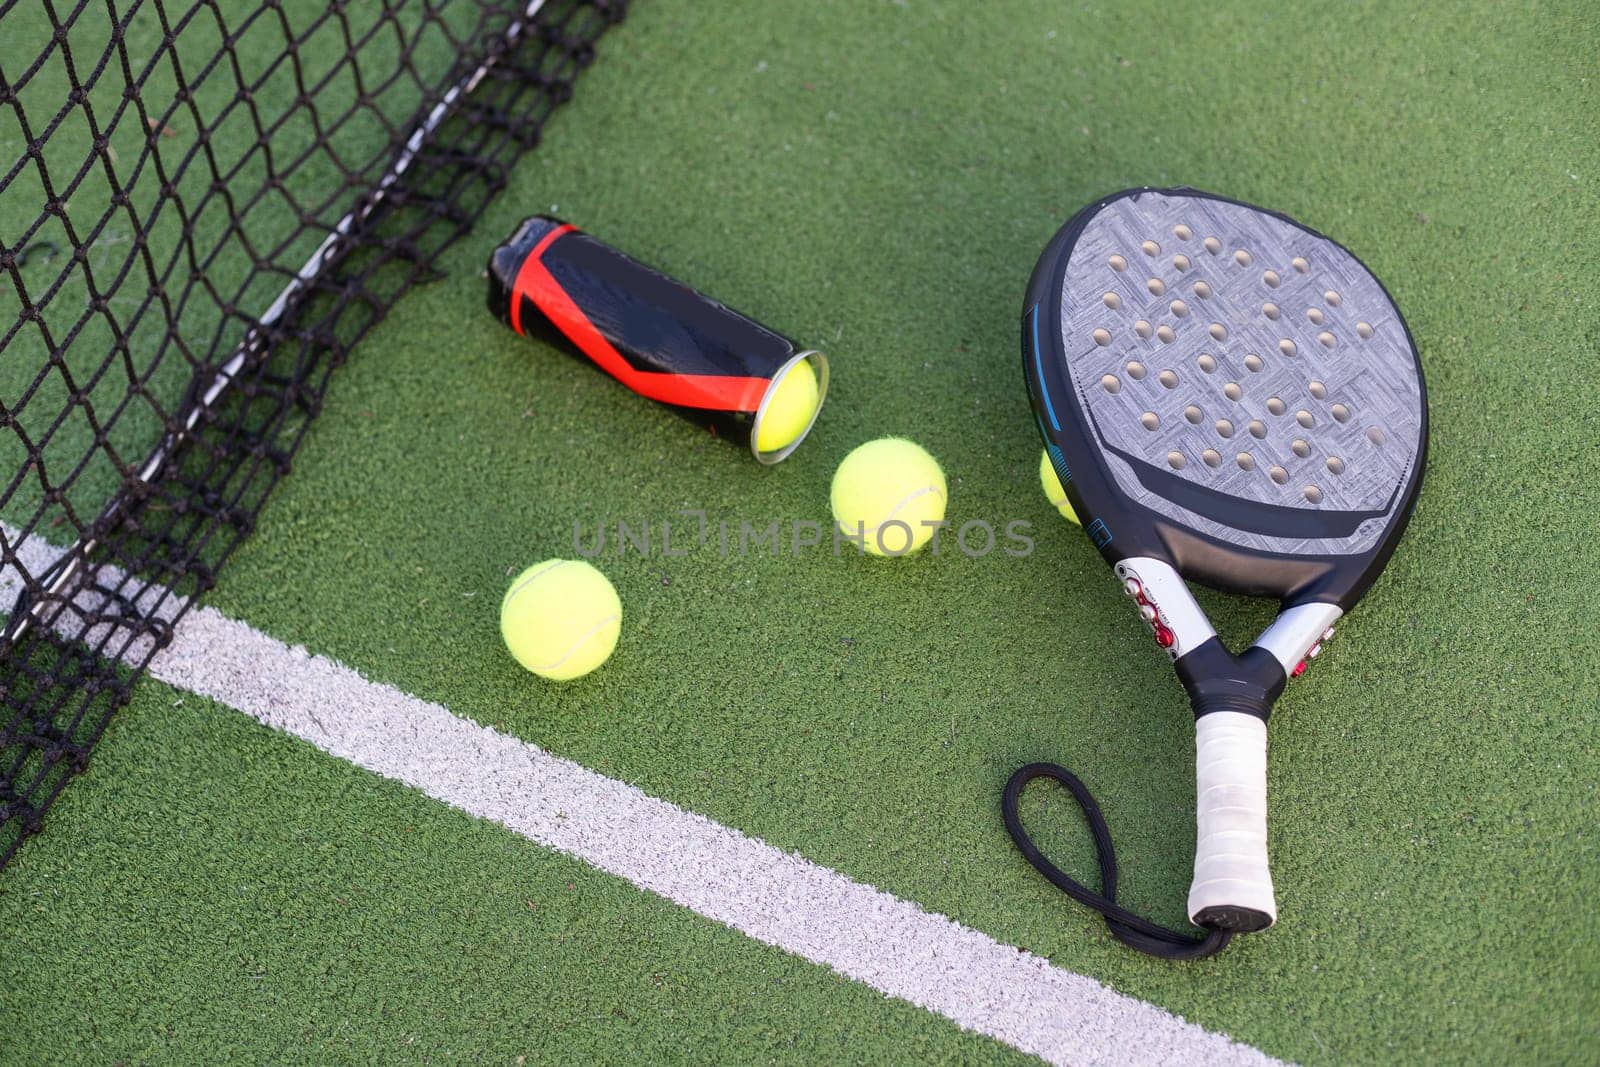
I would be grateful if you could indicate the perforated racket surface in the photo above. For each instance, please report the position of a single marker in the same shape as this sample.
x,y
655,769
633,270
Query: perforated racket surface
x,y
1230,397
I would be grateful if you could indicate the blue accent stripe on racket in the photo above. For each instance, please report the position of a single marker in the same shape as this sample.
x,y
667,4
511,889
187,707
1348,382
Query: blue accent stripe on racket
x,y
1038,366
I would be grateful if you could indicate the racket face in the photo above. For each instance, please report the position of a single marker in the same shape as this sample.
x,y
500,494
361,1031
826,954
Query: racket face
x,y
1225,389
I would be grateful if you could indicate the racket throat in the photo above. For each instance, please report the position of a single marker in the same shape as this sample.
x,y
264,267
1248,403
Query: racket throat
x,y
1219,681
1215,678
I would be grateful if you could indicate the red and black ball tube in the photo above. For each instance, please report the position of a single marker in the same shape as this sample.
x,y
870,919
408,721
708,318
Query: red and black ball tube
x,y
655,335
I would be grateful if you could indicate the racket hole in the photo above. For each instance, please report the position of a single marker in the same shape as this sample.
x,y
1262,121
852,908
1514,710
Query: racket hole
x,y
1181,263
1218,332
1111,384
1156,286
1272,279
1165,335
1213,245
1176,461
1270,310
1335,465
1202,290
1150,421
1252,363
1150,248
1118,263
1318,390
1313,494
1257,428
1303,417
1224,428
1232,391
1375,434
1143,329
1315,315
1193,414
1246,461
1135,370
1287,347
1340,413
1325,339
1178,308
1278,474
1207,363
1211,457
1332,298
1276,406
1242,258
1182,232
1364,330
1112,301
1299,264
1102,337
1168,378
1300,448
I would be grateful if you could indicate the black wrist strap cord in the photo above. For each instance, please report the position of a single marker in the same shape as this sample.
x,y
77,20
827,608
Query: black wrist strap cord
x,y
1132,930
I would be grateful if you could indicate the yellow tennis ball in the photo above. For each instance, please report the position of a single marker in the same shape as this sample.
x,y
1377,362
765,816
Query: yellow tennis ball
x,y
561,618
1053,490
887,491
790,408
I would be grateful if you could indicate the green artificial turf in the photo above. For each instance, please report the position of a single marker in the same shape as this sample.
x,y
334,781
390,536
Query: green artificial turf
x,y
876,180
231,896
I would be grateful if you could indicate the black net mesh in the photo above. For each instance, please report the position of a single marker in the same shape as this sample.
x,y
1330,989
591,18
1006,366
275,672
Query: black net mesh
x,y
203,206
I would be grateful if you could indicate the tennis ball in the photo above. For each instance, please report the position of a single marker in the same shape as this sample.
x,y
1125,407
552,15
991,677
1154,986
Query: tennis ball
x,y
561,618
1053,490
790,408
887,490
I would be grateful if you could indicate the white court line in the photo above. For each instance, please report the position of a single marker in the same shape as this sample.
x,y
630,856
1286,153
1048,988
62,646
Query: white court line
x,y
776,897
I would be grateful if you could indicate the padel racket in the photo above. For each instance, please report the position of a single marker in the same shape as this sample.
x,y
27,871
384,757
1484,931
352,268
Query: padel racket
x,y
1232,398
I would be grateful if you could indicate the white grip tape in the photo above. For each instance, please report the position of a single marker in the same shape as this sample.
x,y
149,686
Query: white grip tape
x,y
1230,860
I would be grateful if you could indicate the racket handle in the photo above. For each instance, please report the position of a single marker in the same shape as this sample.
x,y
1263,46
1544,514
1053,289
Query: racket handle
x,y
1232,886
